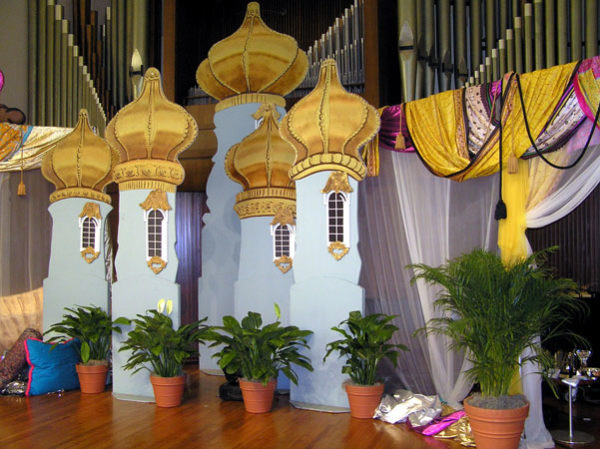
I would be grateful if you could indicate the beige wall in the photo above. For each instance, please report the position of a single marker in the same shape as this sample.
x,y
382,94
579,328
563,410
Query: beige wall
x,y
13,53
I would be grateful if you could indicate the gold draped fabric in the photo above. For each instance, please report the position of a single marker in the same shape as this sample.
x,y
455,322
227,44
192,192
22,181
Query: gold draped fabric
x,y
37,141
17,313
439,130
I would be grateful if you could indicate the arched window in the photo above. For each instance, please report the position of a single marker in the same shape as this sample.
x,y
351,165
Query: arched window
x,y
156,215
283,232
155,233
283,241
337,217
89,227
89,236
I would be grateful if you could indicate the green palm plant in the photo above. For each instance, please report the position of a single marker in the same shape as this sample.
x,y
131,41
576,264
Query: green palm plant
x,y
365,344
258,352
496,312
92,326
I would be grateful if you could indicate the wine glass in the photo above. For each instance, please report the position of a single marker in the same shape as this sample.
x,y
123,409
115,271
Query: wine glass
x,y
583,355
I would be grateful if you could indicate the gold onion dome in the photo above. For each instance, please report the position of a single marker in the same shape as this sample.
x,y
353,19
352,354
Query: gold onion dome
x,y
80,165
260,163
149,134
254,65
328,127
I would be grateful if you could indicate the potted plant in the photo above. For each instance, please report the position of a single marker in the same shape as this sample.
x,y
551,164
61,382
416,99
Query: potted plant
x,y
365,344
495,312
258,353
156,346
93,327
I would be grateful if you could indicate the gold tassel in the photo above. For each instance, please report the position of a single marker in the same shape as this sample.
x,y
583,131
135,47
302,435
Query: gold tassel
x,y
21,190
513,164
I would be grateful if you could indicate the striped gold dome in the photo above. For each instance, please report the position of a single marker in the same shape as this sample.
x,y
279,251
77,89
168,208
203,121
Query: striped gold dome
x,y
149,134
254,65
260,163
81,164
328,127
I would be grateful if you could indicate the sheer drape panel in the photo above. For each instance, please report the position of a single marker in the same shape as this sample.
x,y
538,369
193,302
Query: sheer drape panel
x,y
384,252
443,219
25,232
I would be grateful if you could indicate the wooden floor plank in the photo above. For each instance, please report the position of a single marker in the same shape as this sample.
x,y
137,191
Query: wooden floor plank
x,y
73,420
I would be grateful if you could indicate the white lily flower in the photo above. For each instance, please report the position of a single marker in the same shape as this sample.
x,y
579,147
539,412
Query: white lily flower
x,y
161,305
169,307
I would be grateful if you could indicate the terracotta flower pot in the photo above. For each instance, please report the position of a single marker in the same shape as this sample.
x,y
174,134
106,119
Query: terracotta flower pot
x,y
363,399
168,391
496,429
92,378
258,398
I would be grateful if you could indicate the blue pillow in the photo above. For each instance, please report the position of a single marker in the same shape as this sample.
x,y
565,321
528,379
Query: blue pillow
x,y
51,370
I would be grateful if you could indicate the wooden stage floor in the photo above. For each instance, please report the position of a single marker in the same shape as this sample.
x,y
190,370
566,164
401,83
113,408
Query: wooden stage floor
x,y
73,420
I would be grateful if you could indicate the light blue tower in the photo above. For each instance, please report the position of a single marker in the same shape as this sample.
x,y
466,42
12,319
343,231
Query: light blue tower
x,y
149,134
80,166
266,207
327,129
252,67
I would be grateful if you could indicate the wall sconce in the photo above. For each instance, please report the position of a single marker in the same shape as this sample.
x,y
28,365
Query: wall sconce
x,y
136,72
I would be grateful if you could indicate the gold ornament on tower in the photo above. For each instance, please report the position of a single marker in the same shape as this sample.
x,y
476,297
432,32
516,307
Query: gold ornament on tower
x,y
80,164
149,134
328,127
260,163
254,65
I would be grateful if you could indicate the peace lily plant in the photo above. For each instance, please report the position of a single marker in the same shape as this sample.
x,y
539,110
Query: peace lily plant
x,y
93,328
365,342
156,346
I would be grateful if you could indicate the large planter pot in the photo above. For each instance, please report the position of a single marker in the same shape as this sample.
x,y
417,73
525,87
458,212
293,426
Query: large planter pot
x,y
168,391
92,378
258,398
496,429
363,399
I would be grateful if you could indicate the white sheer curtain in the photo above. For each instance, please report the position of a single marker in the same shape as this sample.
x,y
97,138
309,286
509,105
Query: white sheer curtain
x,y
431,220
553,194
442,220
25,234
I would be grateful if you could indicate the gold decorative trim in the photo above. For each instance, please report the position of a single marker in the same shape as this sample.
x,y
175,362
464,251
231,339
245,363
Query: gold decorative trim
x,y
329,162
253,97
284,215
147,185
89,255
338,250
148,171
79,192
261,207
337,182
157,199
156,264
284,263
91,210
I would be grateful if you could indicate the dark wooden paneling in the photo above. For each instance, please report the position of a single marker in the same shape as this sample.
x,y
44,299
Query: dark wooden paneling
x,y
188,221
579,246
